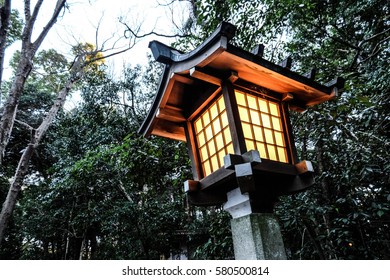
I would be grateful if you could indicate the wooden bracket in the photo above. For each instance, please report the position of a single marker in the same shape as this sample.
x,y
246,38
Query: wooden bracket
x,y
304,167
233,77
196,72
252,157
191,186
287,97
231,160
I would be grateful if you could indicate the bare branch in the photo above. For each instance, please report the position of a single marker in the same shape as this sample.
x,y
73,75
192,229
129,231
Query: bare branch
x,y
375,36
374,51
97,30
29,127
35,13
135,34
27,11
60,4
171,2
30,20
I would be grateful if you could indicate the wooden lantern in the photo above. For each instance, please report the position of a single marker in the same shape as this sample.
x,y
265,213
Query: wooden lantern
x,y
232,106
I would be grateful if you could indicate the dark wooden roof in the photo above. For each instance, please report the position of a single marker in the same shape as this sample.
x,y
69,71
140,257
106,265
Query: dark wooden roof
x,y
190,79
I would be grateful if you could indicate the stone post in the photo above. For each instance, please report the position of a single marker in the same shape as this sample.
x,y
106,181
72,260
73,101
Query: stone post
x,y
256,236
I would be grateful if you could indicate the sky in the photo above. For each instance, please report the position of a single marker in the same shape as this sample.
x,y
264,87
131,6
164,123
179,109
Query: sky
x,y
83,17
80,22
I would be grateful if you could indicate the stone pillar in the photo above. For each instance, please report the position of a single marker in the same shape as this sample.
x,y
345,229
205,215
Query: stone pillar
x,y
256,236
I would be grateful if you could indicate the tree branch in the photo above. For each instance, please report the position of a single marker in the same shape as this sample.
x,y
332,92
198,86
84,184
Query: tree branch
x,y
27,11
60,4
375,36
138,36
5,13
29,127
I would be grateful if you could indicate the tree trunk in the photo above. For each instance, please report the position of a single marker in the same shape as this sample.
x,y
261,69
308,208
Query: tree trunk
x,y
27,54
22,168
325,186
10,107
83,245
14,189
5,13
94,244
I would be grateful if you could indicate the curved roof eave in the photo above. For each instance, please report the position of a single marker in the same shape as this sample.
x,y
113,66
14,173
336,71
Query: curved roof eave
x,y
215,54
146,127
168,55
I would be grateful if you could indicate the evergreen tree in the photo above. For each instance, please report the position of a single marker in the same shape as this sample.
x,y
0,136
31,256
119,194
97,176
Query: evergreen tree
x,y
345,215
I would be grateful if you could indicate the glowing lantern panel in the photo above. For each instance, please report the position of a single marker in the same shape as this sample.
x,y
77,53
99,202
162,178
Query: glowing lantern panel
x,y
262,126
213,136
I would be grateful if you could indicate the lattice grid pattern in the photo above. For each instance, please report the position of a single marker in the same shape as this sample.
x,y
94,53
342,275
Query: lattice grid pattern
x,y
213,136
262,126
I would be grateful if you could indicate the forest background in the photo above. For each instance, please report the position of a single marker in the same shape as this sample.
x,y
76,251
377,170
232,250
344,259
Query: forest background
x,y
89,187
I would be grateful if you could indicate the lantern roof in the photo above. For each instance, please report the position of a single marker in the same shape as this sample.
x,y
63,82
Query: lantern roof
x,y
192,79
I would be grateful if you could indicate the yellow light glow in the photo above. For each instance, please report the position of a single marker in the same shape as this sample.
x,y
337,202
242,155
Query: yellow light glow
x,y
214,112
255,117
274,109
198,125
228,136
262,126
224,119
201,138
217,126
282,154
213,136
243,114
263,105
266,121
219,141
209,132
250,145
252,102
279,138
276,123
247,129
258,131
206,118
240,99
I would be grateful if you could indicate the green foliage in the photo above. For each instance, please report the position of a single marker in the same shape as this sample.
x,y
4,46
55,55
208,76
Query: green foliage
x,y
49,69
211,236
15,28
109,200
345,215
105,193
12,244
46,79
346,138
99,191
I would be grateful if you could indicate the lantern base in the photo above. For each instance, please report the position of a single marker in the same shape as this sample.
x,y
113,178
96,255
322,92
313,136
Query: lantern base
x,y
257,237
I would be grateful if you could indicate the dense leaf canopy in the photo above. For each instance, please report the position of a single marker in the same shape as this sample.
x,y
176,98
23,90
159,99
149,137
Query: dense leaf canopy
x,y
346,215
97,190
